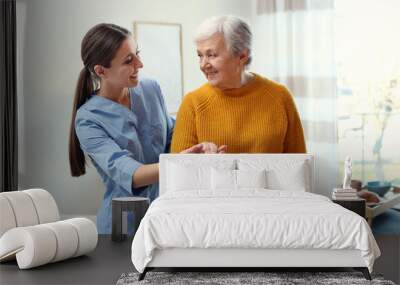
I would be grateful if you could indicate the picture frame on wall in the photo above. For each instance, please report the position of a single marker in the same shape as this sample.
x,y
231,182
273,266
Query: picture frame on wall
x,y
160,46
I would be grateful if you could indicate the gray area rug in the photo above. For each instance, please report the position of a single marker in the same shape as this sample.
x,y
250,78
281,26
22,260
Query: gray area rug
x,y
225,278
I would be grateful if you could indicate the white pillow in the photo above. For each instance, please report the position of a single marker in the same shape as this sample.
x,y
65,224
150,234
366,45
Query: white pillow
x,y
187,175
293,179
226,179
223,179
182,178
291,175
251,178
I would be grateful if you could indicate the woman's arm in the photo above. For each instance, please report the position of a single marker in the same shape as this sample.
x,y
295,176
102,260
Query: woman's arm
x,y
117,163
145,175
149,173
294,141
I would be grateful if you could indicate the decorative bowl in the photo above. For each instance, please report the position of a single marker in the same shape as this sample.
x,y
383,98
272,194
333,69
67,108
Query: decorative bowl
x,y
379,187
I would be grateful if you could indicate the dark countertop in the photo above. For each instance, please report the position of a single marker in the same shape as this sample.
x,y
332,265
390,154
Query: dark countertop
x,y
104,265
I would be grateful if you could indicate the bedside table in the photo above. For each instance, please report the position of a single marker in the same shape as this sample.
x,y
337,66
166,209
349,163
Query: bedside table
x,y
137,205
356,205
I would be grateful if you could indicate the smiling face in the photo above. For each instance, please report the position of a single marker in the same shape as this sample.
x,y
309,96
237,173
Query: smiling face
x,y
125,65
221,68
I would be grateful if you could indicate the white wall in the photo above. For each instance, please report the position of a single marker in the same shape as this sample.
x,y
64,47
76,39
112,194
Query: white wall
x,y
48,63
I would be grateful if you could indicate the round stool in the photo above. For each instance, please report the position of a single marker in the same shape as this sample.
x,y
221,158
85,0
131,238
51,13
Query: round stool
x,y
137,205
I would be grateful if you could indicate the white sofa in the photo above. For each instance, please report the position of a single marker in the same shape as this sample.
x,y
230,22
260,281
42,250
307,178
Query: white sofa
x,y
31,231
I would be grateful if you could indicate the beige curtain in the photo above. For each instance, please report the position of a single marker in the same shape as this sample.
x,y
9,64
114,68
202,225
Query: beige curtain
x,y
294,45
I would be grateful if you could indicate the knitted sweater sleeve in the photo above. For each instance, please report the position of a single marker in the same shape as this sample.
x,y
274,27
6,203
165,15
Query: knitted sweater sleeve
x,y
185,134
294,140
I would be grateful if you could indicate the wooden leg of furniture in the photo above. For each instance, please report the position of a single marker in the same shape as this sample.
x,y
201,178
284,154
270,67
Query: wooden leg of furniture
x,y
143,274
364,271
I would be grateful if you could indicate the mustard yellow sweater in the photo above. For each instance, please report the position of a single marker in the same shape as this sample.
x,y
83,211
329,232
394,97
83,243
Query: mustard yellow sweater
x,y
259,117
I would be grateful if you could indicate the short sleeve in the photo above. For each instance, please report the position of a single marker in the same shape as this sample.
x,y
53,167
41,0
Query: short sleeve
x,y
116,163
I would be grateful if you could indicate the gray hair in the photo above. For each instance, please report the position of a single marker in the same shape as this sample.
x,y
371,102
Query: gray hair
x,y
236,32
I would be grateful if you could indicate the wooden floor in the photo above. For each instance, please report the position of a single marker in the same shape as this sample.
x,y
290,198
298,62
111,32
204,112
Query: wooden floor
x,y
106,264
102,266
389,262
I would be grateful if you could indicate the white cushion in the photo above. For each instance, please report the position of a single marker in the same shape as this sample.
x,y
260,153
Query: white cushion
x,y
223,179
27,208
226,179
27,235
182,177
45,205
23,208
87,233
293,178
40,244
185,175
32,246
7,220
291,175
251,178
67,239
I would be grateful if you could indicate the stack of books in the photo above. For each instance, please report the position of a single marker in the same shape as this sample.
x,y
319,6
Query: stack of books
x,y
344,194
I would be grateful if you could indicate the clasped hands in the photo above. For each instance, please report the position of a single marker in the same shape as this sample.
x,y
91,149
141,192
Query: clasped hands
x,y
206,147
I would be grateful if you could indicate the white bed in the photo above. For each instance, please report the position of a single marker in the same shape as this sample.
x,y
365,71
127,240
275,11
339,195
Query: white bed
x,y
236,210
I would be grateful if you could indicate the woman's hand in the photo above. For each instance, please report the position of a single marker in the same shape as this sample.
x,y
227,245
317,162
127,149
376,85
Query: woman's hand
x,y
206,147
369,197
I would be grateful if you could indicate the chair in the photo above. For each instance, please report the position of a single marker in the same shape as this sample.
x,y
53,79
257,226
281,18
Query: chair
x,y
31,231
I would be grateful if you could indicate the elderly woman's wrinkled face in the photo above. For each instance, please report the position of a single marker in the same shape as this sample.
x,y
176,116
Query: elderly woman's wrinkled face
x,y
221,68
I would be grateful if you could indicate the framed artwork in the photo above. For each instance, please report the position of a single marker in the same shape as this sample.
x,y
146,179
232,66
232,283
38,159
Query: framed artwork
x,y
160,46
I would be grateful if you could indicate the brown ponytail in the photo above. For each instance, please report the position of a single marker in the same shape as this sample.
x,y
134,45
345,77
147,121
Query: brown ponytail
x,y
99,47
84,89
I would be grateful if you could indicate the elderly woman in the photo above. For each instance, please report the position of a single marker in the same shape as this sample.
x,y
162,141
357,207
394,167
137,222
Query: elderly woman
x,y
243,110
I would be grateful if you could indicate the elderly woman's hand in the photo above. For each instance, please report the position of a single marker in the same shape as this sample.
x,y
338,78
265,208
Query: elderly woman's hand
x,y
206,147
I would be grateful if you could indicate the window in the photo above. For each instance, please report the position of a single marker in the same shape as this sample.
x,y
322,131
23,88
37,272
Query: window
x,y
368,87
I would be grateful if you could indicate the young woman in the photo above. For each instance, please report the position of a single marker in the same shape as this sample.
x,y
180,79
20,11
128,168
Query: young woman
x,y
119,121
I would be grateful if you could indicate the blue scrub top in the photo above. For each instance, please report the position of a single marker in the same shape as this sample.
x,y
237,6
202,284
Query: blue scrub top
x,y
119,140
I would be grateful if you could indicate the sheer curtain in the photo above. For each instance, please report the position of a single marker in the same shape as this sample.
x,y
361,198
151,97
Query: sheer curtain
x,y
294,45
